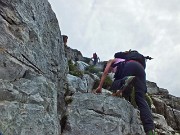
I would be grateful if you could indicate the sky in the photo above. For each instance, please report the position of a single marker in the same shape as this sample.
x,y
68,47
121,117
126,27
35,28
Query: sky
x,y
107,26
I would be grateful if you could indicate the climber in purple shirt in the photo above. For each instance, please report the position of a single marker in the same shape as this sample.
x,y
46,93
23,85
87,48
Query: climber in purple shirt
x,y
131,71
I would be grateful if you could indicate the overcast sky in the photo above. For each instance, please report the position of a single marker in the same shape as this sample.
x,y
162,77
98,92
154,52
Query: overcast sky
x,y
150,26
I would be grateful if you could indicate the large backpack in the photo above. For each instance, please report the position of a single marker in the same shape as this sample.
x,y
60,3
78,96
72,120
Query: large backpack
x,y
128,55
133,55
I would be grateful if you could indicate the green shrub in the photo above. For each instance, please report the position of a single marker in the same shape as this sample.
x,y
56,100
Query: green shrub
x,y
96,84
76,73
107,82
149,100
73,69
132,98
133,101
106,85
92,69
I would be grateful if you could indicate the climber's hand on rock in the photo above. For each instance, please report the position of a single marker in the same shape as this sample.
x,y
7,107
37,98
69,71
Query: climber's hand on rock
x,y
98,90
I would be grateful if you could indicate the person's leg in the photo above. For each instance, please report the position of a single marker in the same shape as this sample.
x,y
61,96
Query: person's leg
x,y
95,61
121,85
145,112
135,69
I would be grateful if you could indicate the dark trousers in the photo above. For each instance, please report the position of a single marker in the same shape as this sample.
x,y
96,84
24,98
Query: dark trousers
x,y
133,68
95,61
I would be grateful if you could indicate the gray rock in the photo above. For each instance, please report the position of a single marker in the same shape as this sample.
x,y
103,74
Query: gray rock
x,y
90,114
73,54
164,91
34,87
31,58
82,65
77,83
166,108
28,107
83,84
152,87
161,125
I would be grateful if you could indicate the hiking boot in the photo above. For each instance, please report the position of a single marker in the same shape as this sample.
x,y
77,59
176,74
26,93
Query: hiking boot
x,y
118,93
128,80
151,132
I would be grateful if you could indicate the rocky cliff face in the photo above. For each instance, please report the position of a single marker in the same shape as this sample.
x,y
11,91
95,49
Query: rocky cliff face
x,y
106,115
32,68
73,54
39,97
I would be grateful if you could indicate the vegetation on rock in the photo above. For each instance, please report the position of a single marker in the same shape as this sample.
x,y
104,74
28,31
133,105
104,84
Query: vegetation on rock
x,y
73,70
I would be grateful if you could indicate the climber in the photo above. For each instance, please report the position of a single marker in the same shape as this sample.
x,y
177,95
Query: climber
x,y
95,58
131,72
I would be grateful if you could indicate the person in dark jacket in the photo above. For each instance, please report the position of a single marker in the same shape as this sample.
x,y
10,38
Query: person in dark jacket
x,y
95,59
